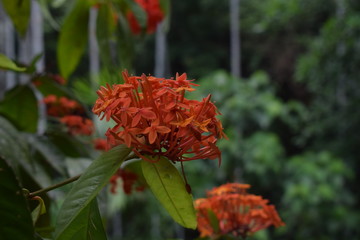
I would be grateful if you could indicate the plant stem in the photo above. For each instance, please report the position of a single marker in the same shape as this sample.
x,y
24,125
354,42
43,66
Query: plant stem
x,y
60,184
67,181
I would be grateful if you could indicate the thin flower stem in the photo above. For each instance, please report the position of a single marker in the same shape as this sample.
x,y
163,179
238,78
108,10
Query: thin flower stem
x,y
52,187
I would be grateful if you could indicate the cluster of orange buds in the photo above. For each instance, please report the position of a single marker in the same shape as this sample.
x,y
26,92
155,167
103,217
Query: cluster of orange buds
x,y
129,180
154,16
154,118
238,213
69,112
78,125
61,106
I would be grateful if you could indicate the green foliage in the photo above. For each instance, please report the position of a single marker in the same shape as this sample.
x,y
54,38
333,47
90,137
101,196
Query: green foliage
x,y
20,105
19,12
87,225
15,215
169,188
316,190
86,189
330,71
6,63
73,38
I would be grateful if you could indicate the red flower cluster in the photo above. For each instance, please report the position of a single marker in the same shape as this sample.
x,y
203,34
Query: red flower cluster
x,y
61,106
154,16
78,125
69,112
129,180
153,117
238,213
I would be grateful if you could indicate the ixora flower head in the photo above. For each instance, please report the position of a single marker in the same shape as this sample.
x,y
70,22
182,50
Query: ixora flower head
x,y
235,211
154,118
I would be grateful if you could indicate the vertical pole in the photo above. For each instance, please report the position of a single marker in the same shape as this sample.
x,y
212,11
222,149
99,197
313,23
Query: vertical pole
x,y
160,51
235,51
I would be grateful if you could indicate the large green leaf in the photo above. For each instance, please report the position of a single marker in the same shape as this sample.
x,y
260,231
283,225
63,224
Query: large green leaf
x,y
168,187
87,225
73,38
95,177
19,12
15,217
21,108
6,63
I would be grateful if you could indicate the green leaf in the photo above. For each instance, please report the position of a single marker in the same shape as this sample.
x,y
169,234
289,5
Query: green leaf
x,y
6,63
52,155
87,225
15,218
73,38
21,108
105,28
95,177
13,148
168,187
39,210
19,12
214,221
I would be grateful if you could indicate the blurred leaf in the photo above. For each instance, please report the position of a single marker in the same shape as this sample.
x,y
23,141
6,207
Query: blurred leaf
x,y
168,187
76,166
214,221
105,28
85,190
20,107
19,12
47,14
12,147
83,90
15,218
47,85
52,155
73,38
69,145
32,67
87,225
39,210
6,63
125,46
165,6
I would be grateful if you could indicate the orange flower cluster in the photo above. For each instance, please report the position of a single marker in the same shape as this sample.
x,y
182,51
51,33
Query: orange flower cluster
x,y
69,112
78,125
238,213
154,16
153,117
61,106
129,180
